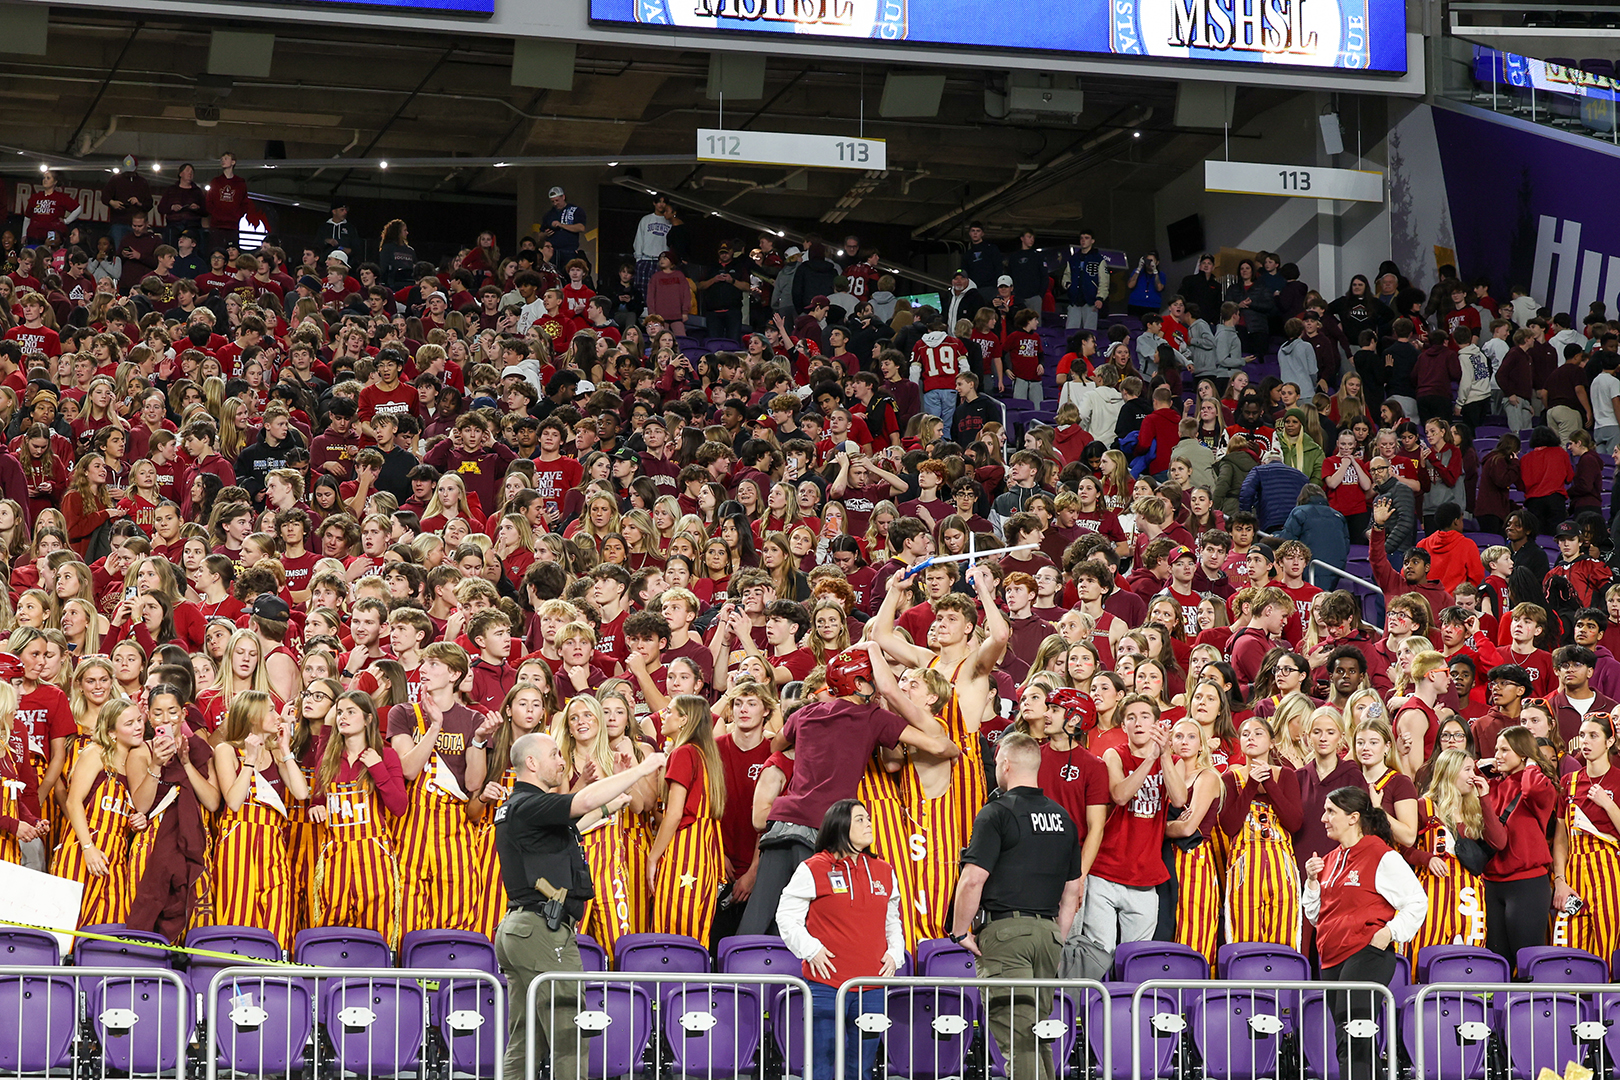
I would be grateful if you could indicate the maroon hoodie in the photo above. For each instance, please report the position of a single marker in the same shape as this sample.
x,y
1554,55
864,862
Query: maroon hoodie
x,y
1436,371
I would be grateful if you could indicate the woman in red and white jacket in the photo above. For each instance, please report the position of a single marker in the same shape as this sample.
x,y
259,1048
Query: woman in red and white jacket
x,y
1363,898
840,914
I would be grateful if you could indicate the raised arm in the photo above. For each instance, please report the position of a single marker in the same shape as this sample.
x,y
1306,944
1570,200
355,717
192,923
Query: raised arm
x,y
882,626
997,630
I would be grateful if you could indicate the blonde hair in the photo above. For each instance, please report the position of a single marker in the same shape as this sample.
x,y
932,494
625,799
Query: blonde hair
x,y
1458,807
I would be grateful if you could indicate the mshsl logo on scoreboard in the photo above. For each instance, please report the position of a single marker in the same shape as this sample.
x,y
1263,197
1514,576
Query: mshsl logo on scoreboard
x,y
833,18
1325,33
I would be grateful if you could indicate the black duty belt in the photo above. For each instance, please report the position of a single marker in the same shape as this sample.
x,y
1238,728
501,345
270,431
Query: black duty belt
x,y
997,916
534,909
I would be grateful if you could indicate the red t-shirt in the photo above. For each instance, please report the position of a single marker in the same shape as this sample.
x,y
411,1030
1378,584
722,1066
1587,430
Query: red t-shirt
x,y
401,399
555,479
36,340
1135,832
741,769
1074,779
685,767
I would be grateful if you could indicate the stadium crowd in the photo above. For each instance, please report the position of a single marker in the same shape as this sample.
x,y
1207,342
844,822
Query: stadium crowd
x,y
300,543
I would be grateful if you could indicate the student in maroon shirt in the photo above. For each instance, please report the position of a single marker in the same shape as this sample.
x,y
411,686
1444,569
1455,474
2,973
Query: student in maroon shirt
x,y
1518,883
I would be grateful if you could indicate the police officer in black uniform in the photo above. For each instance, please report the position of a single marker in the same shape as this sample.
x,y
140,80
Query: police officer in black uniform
x,y
547,886
1021,875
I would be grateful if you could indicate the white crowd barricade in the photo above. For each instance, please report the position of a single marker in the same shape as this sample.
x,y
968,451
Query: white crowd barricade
x,y
282,1021
1459,1030
94,1022
703,1025
1017,1029
1241,1029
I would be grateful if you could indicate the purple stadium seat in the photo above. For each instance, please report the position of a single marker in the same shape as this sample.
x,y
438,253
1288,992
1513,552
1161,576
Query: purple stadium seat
x,y
943,957
454,949
721,345
1318,1035
1539,1030
1462,964
270,1040
757,954
40,1014
1458,1025
914,1046
248,942
1552,964
1239,1033
341,946
591,955
1260,964
1139,961
20,947
1161,1024
661,953
466,1021
134,1020
618,1048
448,949
378,1027
1065,1013
90,953
787,1027
712,1030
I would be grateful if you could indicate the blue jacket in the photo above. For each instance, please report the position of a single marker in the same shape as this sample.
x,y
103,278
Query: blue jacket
x,y
1271,490
1323,529
1088,276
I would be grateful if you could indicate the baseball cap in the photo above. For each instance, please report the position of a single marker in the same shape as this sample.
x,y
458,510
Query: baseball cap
x,y
338,255
959,273
273,608
1181,551
438,296
513,370
585,386
554,192
624,453
1004,279
820,301
1568,531
791,251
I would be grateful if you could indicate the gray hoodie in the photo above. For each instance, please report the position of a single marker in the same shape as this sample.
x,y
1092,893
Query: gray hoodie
x,y
1297,359
1201,343
1228,352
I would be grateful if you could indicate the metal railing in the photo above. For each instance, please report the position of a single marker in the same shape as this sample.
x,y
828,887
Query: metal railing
x,y
93,1021
1333,1025
287,1020
938,1026
691,1024
1535,1025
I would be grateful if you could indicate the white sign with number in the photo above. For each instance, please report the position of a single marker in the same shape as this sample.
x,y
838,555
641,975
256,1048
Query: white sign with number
x,y
1293,181
786,148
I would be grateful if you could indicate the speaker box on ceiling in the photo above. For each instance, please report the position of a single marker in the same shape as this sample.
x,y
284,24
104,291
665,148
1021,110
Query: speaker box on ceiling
x,y
543,65
24,28
739,76
912,95
240,54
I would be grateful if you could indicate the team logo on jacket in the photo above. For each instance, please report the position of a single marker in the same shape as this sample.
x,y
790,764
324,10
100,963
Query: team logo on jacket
x,y
1353,879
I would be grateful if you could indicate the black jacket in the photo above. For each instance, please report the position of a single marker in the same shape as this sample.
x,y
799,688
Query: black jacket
x,y
815,277
1028,270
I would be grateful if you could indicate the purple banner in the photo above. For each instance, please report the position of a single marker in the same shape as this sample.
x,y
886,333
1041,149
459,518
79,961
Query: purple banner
x,y
1530,210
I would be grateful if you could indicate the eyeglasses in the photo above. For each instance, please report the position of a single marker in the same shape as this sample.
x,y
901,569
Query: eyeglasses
x,y
1288,670
1454,736
1535,703
317,695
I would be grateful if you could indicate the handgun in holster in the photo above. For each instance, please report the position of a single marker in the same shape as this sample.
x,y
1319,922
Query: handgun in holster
x,y
551,909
